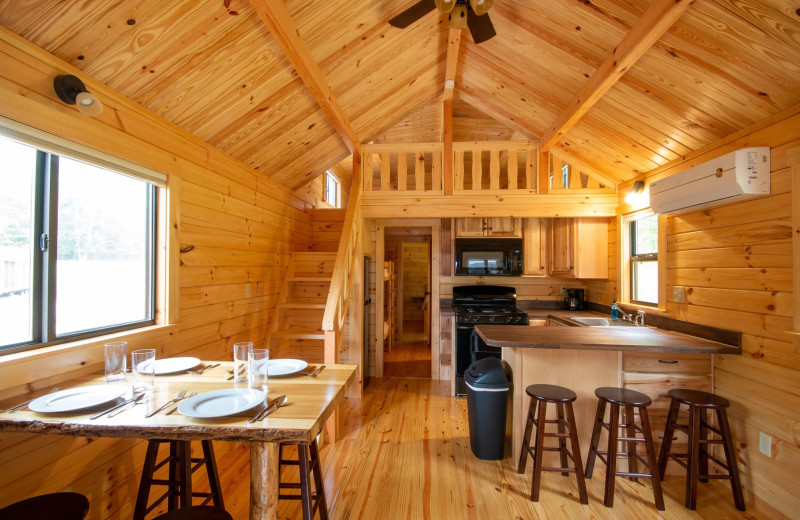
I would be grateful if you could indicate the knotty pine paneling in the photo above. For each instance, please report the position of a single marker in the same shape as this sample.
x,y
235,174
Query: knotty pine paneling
x,y
240,228
736,264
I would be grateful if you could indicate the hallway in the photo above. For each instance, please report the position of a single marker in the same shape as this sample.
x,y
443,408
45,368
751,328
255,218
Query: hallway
x,y
411,354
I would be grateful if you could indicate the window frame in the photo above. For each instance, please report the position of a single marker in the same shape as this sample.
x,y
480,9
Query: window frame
x,y
627,259
161,299
338,195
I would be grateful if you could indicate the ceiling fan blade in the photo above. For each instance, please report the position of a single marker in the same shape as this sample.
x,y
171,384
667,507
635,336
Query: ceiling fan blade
x,y
413,13
480,27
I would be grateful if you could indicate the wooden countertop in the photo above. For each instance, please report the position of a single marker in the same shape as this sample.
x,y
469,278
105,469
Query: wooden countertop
x,y
636,339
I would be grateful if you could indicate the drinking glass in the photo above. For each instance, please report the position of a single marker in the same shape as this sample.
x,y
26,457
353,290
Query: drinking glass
x,y
143,367
240,353
116,354
257,369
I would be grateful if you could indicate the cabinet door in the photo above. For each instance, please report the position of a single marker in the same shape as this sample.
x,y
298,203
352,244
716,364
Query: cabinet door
x,y
503,227
561,246
535,247
591,248
470,227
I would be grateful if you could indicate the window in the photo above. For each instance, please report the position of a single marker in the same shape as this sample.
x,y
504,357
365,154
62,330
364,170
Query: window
x,y
642,252
77,248
332,190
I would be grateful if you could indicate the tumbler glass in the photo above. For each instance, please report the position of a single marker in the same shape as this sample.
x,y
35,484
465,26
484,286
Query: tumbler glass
x,y
240,357
116,355
143,367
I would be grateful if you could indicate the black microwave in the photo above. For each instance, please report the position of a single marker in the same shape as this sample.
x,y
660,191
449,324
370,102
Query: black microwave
x,y
488,257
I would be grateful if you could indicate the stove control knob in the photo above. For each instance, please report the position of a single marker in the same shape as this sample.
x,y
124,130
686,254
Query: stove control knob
x,y
491,319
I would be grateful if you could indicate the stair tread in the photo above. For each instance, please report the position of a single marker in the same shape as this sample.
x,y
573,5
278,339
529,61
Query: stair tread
x,y
302,305
310,334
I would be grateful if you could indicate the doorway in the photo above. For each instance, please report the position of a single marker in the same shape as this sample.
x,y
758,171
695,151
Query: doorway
x,y
408,252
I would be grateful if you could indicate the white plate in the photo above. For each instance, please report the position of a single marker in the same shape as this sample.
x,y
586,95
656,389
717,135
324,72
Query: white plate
x,y
77,398
175,364
221,403
283,367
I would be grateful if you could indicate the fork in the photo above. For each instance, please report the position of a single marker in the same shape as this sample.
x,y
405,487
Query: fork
x,y
177,398
204,369
21,406
176,408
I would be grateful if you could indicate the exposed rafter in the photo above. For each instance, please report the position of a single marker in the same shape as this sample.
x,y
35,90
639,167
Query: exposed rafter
x,y
656,21
453,45
280,24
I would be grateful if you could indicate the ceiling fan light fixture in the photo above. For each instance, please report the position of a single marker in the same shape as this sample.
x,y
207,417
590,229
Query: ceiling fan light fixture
x,y
480,7
458,17
445,5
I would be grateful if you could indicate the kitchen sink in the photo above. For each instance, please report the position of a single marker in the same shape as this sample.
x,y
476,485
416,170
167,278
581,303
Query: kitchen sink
x,y
602,322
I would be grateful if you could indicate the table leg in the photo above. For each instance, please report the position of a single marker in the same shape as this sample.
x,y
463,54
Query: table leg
x,y
263,480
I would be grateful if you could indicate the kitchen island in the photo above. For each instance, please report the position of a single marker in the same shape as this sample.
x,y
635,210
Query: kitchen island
x,y
582,358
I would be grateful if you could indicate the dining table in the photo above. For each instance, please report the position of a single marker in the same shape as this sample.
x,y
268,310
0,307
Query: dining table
x,y
310,403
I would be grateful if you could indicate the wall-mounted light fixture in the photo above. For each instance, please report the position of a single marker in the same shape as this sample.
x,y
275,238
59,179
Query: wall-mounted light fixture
x,y
637,195
72,91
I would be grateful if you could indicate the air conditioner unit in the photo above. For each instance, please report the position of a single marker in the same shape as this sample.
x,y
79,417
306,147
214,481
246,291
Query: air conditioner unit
x,y
732,177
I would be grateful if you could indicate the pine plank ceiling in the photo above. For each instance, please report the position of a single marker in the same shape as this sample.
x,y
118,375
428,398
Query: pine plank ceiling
x,y
213,68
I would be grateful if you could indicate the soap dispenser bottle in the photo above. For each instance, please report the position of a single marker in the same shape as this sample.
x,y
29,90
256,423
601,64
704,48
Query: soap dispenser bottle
x,y
614,309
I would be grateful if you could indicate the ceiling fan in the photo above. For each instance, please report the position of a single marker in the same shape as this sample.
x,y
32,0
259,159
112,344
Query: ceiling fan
x,y
461,13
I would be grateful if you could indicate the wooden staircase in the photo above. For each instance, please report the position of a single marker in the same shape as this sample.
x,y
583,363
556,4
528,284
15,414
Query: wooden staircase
x,y
296,328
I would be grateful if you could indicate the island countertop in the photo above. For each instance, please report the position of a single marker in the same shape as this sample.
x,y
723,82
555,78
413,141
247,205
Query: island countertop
x,y
636,339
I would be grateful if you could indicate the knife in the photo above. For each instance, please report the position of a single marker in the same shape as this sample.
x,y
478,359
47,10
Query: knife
x,y
268,409
123,403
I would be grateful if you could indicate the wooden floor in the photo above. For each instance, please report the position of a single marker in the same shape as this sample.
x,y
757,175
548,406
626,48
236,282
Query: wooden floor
x,y
410,355
405,455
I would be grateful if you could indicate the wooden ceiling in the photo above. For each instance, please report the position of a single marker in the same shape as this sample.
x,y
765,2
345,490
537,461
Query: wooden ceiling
x,y
214,68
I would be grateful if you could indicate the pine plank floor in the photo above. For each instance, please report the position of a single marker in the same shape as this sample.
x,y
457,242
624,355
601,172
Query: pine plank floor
x,y
411,354
404,454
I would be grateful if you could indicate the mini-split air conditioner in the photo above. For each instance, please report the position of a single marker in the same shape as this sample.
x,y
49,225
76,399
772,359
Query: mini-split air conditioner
x,y
732,177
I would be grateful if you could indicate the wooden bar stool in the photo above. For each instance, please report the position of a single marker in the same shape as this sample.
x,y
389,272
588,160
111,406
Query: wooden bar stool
x,y
697,429
196,513
307,462
563,399
179,482
629,400
53,506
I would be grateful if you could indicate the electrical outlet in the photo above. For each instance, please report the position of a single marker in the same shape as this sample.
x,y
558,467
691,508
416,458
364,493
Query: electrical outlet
x,y
765,444
678,294
247,290
563,289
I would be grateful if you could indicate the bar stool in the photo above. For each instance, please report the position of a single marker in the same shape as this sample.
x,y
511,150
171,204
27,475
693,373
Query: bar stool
x,y
697,429
179,482
60,506
307,462
629,400
563,399
196,513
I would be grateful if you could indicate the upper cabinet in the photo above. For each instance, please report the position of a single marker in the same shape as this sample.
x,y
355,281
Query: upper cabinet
x,y
579,247
534,255
488,227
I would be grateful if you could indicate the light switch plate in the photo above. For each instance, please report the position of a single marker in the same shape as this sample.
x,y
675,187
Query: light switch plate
x,y
765,444
247,290
679,294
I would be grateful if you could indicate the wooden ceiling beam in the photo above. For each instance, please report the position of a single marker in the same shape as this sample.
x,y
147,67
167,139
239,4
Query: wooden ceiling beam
x,y
659,17
276,18
453,45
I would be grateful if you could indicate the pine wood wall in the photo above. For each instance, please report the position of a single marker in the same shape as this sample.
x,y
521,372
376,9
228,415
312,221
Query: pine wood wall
x,y
240,225
736,264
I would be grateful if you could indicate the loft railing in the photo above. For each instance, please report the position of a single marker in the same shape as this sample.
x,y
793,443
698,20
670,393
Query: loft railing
x,y
415,168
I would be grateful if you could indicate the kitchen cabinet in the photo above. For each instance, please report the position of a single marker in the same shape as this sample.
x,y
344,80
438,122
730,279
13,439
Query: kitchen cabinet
x,y
655,374
534,254
578,247
488,227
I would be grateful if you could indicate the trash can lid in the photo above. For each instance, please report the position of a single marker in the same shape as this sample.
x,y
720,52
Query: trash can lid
x,y
487,373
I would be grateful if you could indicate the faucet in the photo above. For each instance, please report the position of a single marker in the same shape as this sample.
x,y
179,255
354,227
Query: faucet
x,y
624,316
639,319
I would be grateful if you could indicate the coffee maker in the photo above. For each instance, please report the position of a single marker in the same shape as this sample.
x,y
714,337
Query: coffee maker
x,y
574,300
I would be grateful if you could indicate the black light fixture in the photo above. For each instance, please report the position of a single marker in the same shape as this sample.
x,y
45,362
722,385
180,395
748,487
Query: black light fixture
x,y
72,91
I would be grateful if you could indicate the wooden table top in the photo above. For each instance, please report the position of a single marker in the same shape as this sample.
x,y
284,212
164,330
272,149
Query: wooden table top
x,y
310,402
637,339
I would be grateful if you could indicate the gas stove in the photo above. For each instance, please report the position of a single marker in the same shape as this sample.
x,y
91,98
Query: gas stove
x,y
481,304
